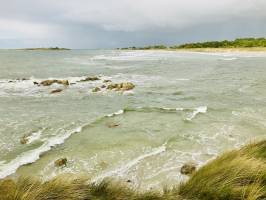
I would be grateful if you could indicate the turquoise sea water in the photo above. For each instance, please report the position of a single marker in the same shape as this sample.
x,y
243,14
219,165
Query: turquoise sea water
x,y
185,107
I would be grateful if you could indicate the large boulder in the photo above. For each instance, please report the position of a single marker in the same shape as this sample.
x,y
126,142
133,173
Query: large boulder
x,y
188,168
60,162
50,82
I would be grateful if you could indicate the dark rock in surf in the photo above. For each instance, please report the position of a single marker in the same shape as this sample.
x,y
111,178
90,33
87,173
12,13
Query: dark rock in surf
x,y
103,86
60,162
24,139
50,82
121,86
56,91
188,168
92,78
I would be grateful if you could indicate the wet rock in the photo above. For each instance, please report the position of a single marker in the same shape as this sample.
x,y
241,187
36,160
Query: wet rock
x,y
60,162
107,81
25,139
188,168
103,86
92,78
50,82
113,125
129,181
121,86
35,83
127,86
22,79
56,91
97,89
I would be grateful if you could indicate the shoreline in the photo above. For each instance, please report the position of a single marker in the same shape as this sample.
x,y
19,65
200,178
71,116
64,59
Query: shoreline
x,y
237,174
208,50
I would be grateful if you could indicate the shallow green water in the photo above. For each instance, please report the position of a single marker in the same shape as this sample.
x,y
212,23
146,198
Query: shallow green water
x,y
185,107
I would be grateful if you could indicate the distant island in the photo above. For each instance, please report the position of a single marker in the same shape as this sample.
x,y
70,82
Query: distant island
x,y
238,43
50,48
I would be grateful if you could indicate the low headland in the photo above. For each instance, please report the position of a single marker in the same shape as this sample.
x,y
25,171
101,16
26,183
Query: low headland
x,y
235,175
46,49
239,44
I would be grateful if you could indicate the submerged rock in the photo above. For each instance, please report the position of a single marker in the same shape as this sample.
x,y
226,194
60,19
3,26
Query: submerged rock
x,y
97,89
121,86
188,168
92,78
50,82
113,125
56,91
60,162
107,81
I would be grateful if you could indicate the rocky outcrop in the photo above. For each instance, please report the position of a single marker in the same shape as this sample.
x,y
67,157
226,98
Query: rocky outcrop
x,y
60,162
50,82
56,91
121,86
188,168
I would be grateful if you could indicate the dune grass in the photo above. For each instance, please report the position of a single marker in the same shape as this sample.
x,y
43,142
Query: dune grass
x,y
235,175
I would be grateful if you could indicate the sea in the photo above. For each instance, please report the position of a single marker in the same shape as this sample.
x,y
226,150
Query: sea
x,y
185,107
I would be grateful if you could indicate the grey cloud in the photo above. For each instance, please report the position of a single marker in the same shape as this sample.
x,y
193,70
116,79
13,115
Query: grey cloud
x,y
115,23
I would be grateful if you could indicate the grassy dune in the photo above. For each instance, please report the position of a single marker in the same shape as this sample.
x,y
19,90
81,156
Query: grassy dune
x,y
235,175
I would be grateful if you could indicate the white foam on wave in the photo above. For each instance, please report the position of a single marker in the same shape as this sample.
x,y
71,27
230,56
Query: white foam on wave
x,y
201,109
34,136
31,156
119,112
123,169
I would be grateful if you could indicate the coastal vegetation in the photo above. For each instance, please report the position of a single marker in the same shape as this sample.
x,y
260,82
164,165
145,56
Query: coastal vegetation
x,y
237,43
235,175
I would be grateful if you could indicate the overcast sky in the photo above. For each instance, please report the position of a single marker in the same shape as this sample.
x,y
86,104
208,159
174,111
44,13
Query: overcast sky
x,y
120,23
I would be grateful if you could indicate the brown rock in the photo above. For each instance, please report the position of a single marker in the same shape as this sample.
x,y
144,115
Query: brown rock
x,y
113,125
24,139
188,168
50,82
121,86
60,162
92,78
56,91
